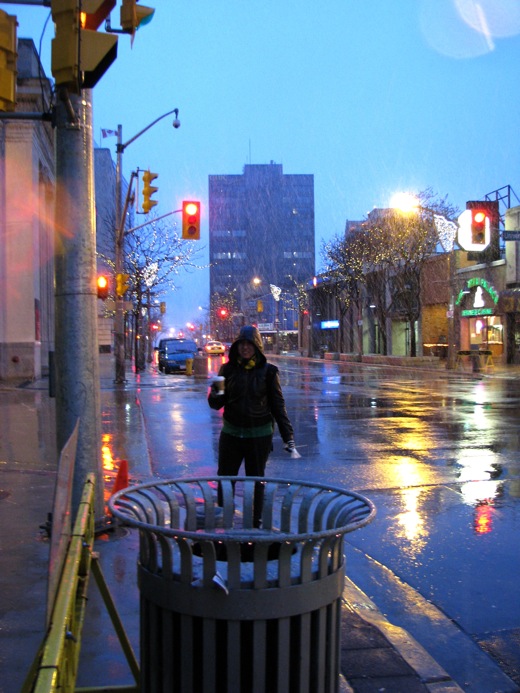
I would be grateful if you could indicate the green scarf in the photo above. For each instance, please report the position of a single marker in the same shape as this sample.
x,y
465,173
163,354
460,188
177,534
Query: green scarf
x,y
248,364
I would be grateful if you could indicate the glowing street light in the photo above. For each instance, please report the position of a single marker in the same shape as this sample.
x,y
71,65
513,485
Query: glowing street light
x,y
405,202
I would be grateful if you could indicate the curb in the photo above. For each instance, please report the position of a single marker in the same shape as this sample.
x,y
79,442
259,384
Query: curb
x,y
430,673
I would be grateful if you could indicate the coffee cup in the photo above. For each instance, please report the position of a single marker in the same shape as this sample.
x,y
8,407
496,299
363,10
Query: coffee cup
x,y
220,384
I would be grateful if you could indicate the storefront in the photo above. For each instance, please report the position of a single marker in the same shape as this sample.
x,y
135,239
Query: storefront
x,y
481,323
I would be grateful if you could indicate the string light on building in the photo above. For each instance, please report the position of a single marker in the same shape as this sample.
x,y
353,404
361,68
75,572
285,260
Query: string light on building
x,y
446,231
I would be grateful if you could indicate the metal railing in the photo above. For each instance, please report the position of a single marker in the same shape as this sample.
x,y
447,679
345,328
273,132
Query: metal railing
x,y
55,667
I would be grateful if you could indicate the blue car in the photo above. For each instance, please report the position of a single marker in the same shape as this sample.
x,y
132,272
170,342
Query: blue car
x,y
173,354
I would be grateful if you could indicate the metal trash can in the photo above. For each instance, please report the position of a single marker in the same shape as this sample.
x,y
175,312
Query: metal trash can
x,y
229,608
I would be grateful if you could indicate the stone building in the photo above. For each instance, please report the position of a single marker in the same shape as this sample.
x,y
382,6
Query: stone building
x,y
26,226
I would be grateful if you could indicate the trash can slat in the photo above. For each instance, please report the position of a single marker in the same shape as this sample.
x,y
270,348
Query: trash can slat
x,y
241,604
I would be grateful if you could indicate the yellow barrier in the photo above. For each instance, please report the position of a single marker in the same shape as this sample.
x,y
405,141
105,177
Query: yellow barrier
x,y
56,664
483,358
487,357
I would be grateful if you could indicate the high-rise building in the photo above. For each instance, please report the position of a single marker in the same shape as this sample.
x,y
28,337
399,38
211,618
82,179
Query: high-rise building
x,y
261,235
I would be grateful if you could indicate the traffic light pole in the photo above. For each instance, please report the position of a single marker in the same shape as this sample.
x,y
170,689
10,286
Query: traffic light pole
x,y
119,336
76,335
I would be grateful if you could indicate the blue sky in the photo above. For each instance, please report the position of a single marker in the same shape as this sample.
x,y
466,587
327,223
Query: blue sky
x,y
369,96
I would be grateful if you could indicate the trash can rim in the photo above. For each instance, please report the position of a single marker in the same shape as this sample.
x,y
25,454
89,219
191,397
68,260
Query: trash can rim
x,y
259,536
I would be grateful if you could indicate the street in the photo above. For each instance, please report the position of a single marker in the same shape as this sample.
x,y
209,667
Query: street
x,y
437,455
435,451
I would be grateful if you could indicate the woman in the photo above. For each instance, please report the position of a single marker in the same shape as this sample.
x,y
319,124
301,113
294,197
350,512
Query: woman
x,y
252,401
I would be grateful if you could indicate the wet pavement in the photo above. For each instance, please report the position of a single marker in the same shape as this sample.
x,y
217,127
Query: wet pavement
x,y
142,423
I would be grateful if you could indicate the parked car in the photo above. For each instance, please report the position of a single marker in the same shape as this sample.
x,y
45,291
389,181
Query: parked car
x,y
214,348
173,354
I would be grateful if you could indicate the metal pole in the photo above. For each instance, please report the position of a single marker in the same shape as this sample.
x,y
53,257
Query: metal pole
x,y
450,361
76,333
119,337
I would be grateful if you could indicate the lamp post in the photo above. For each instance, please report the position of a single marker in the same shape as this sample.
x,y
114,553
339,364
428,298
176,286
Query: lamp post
x,y
120,225
276,293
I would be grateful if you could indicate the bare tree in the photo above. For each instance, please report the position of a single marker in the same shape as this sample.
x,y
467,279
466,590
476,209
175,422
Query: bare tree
x,y
397,247
154,256
382,262
345,277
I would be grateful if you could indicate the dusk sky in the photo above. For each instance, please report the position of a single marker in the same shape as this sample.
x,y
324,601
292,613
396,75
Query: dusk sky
x,y
369,96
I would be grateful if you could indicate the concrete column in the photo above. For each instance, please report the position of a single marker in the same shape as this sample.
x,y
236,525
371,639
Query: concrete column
x,y
76,353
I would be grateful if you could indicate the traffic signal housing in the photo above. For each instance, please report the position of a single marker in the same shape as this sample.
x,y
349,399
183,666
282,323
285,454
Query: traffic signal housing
x,y
191,220
80,54
102,287
474,233
8,56
121,283
479,227
132,16
149,190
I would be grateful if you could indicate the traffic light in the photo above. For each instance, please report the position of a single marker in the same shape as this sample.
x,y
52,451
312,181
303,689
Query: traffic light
x,y
191,220
121,284
148,191
222,313
80,54
102,287
8,56
259,306
133,16
479,226
474,232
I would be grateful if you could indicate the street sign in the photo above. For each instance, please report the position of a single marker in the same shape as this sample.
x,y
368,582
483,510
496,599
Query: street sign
x,y
511,235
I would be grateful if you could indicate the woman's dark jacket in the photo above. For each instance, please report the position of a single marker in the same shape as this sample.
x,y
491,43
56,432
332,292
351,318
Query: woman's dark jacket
x,y
253,397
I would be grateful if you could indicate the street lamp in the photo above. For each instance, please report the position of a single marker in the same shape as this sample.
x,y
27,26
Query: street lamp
x,y
120,225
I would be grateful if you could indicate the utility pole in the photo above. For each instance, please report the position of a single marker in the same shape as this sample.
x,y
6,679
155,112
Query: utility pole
x,y
119,341
119,332
76,351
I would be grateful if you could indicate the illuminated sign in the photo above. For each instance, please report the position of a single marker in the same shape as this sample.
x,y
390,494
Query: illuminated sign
x,y
478,282
472,312
329,324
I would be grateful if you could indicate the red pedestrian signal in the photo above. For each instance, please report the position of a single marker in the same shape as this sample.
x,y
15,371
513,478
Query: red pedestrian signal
x,y
102,287
191,220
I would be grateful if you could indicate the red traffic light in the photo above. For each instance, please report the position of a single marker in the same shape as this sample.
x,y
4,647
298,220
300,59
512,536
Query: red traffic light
x,y
222,312
102,287
479,221
191,220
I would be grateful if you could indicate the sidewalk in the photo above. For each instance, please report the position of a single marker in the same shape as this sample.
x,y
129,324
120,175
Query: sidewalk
x,y
375,655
